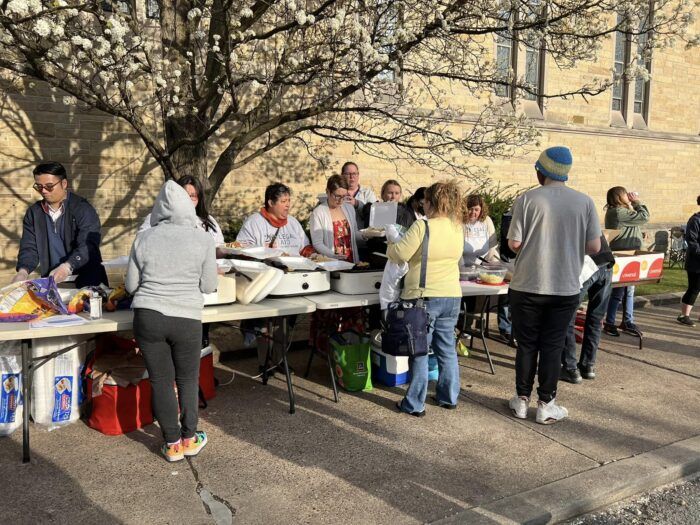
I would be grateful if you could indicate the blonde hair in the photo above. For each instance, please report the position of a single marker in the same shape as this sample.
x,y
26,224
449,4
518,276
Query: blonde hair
x,y
445,199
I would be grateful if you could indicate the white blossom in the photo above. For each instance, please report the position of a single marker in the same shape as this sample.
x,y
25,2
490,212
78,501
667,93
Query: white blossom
x,y
246,12
69,100
42,28
194,13
301,18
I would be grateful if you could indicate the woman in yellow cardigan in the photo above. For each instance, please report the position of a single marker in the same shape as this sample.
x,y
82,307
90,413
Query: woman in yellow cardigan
x,y
443,208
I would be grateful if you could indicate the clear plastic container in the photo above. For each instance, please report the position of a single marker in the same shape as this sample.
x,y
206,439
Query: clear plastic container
x,y
469,273
492,274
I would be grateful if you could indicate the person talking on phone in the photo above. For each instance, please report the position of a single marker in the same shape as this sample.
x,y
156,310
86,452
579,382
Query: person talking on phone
x,y
626,212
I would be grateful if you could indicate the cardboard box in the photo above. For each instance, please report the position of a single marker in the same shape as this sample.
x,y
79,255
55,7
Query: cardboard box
x,y
637,265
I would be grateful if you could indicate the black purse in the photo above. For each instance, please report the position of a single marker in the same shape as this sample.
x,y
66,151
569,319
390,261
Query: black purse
x,y
405,322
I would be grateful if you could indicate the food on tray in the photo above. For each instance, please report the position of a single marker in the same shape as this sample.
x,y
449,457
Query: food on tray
x,y
489,278
372,229
317,257
234,244
362,264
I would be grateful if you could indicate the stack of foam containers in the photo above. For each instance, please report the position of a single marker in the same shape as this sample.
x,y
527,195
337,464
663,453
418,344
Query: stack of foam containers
x,y
56,388
11,409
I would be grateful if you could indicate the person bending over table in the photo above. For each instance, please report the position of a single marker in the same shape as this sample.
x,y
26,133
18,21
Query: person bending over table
x,y
60,233
443,206
195,190
334,234
167,283
273,227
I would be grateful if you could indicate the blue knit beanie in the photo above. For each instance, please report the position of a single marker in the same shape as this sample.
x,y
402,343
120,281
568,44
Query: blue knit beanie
x,y
555,163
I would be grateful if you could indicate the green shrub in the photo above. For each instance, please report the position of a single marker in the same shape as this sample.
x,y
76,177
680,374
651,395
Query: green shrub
x,y
499,198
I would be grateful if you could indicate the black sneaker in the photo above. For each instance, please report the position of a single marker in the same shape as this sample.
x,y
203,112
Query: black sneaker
x,y
587,371
611,330
686,320
570,375
448,406
415,414
630,328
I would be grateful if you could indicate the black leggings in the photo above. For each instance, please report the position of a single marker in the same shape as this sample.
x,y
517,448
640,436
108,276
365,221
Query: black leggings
x,y
693,290
171,348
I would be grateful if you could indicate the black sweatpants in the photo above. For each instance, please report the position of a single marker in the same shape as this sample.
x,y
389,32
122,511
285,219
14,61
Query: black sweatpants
x,y
540,323
171,348
691,294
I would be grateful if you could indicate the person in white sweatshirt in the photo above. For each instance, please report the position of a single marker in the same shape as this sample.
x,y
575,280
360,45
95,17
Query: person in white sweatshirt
x,y
273,227
170,266
333,224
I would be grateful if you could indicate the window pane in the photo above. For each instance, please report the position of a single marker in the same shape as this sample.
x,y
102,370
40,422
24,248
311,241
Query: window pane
x,y
617,104
618,96
152,9
532,72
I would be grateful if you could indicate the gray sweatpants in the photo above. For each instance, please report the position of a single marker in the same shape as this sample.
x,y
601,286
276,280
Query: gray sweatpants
x,y
171,348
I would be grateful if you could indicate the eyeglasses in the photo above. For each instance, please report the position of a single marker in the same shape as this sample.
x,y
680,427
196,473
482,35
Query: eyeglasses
x,y
339,197
48,187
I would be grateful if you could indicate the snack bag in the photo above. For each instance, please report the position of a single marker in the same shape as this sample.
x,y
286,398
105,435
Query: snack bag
x,y
38,298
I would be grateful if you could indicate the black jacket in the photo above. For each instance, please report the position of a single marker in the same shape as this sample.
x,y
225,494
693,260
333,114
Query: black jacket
x,y
81,239
692,237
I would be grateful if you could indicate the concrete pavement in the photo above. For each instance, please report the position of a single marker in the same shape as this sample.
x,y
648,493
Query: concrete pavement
x,y
360,461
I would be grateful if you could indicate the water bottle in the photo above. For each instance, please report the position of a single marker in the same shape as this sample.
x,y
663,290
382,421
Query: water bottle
x,y
95,306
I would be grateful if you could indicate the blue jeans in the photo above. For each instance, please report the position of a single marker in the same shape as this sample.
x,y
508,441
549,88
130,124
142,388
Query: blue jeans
x,y
598,289
443,312
504,323
616,298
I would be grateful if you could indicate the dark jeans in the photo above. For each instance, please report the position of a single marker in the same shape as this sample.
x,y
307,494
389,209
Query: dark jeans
x,y
504,322
691,294
598,289
171,348
540,323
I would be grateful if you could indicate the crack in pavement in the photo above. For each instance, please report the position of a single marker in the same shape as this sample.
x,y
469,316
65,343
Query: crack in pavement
x,y
644,361
221,511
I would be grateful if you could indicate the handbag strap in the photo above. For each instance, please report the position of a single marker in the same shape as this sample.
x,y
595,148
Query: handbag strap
x,y
424,259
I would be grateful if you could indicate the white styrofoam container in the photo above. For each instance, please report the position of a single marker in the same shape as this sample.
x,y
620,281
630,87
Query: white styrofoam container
x,y
225,291
356,283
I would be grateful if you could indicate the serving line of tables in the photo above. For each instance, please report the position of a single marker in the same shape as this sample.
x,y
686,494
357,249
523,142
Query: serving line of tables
x,y
123,320
266,309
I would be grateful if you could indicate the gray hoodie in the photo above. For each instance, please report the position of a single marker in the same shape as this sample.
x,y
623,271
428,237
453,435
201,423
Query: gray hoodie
x,y
174,262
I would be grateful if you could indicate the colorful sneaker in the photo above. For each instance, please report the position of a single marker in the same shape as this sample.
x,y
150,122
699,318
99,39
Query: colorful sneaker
x,y
192,446
519,406
550,413
685,319
611,329
174,452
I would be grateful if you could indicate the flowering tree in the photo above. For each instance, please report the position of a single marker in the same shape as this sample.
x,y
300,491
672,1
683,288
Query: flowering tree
x,y
213,84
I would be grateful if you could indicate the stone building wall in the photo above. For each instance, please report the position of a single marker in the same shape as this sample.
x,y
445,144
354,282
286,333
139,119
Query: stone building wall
x,y
108,165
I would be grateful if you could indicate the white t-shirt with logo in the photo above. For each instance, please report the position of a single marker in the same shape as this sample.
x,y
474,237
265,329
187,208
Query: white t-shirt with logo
x,y
257,231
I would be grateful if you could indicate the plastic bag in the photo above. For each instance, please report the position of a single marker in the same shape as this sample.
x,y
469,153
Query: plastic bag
x,y
10,387
351,355
390,289
36,298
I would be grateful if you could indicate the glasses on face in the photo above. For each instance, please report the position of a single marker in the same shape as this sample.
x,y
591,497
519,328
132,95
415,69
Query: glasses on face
x,y
48,187
339,197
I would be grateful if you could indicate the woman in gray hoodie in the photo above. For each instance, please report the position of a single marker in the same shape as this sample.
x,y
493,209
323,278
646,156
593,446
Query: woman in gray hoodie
x,y
170,266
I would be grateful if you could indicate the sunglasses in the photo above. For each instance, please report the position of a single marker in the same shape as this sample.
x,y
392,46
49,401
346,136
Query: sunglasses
x,y
48,187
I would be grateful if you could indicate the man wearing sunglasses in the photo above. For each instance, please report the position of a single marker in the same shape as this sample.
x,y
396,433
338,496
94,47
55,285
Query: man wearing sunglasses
x,y
61,233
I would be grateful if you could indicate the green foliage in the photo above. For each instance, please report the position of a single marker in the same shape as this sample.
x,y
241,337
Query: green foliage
x,y
499,198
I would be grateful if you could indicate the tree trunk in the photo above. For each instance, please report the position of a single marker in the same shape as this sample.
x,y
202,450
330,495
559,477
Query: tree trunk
x,y
188,160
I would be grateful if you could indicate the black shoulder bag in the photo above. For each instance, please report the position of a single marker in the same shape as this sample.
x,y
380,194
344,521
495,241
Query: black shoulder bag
x,y
405,324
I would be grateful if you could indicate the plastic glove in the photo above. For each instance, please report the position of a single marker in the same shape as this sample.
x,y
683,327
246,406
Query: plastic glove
x,y
61,272
393,233
21,275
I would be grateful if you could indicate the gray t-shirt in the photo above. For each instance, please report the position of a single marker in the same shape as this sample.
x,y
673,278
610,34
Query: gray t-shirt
x,y
553,223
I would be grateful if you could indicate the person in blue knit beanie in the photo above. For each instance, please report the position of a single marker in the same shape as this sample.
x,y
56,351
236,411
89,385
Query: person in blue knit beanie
x,y
552,229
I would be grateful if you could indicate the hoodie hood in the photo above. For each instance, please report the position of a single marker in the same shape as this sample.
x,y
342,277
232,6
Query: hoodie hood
x,y
173,206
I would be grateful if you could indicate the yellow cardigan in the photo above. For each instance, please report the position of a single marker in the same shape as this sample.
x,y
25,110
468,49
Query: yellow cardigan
x,y
444,252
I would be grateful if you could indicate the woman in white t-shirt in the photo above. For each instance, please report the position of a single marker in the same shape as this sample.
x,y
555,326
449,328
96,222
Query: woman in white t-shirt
x,y
479,232
194,189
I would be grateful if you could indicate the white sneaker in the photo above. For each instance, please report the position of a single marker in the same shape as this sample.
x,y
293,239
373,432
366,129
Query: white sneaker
x,y
549,413
519,405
